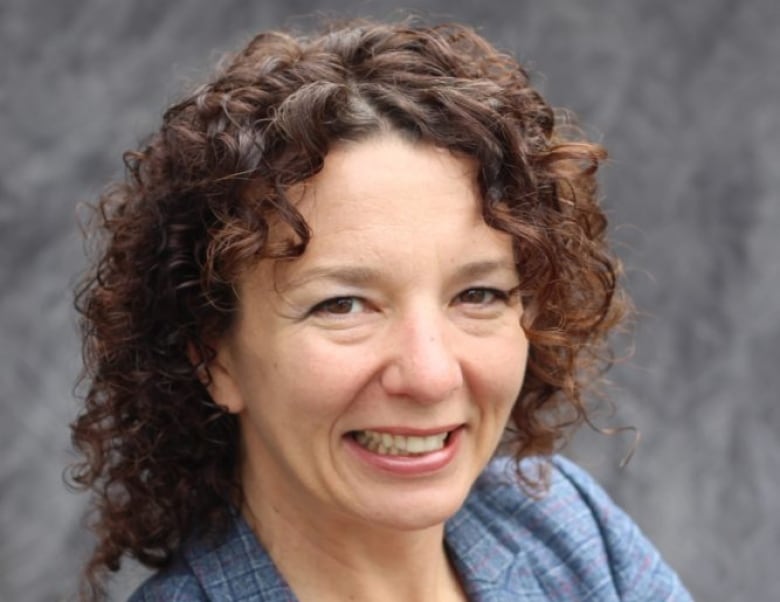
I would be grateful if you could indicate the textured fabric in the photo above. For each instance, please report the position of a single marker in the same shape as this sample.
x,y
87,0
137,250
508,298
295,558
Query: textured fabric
x,y
572,545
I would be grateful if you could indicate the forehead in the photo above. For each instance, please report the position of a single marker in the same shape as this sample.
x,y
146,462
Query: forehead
x,y
385,206
388,182
386,198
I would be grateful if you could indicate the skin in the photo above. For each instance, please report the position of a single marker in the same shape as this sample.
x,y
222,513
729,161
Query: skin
x,y
400,315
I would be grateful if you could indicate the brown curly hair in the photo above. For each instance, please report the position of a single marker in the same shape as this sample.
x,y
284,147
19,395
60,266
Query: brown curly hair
x,y
195,211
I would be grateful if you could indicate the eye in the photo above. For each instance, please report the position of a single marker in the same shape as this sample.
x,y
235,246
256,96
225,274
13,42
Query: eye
x,y
339,306
482,296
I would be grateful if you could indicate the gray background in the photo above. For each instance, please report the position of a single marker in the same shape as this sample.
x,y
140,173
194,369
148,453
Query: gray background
x,y
684,94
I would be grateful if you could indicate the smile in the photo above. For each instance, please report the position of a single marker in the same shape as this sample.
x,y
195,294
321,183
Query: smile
x,y
399,445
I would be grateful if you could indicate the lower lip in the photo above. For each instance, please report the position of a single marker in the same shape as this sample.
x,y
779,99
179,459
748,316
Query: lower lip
x,y
409,466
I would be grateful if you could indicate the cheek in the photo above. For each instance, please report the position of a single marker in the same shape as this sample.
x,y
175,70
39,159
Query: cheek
x,y
499,371
319,378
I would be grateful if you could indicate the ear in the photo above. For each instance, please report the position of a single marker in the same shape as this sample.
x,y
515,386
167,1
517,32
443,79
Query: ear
x,y
217,375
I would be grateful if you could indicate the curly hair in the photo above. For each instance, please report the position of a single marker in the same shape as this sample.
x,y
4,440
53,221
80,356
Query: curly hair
x,y
196,209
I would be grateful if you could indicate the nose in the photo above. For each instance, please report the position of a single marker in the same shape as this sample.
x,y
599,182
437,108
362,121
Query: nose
x,y
423,365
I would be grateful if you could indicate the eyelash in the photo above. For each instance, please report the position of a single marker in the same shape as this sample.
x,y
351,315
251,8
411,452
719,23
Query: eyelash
x,y
495,295
321,307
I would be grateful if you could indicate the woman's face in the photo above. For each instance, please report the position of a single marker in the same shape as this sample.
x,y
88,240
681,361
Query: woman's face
x,y
374,375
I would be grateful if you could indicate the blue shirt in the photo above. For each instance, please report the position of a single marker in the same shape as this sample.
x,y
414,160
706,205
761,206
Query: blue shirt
x,y
574,544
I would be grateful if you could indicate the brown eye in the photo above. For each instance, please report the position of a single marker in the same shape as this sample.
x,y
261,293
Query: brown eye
x,y
480,296
338,306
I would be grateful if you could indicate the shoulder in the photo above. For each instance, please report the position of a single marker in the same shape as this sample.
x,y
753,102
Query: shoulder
x,y
176,583
572,539
229,565
636,566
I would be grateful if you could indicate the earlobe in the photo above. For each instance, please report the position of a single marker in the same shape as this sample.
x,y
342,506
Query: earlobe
x,y
217,376
223,387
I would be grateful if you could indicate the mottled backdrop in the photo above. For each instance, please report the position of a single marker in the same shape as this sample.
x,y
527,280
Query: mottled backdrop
x,y
685,95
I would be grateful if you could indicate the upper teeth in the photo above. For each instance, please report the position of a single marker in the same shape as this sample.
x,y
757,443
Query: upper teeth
x,y
385,443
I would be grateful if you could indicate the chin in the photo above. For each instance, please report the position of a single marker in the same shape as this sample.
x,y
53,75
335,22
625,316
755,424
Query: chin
x,y
417,510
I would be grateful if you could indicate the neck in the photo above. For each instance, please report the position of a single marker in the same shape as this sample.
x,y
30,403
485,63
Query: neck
x,y
326,558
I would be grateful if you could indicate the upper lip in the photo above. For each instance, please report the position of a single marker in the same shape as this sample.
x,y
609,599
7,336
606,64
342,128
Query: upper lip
x,y
413,431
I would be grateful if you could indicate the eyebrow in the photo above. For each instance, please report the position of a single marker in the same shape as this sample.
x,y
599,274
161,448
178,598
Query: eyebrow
x,y
344,274
356,275
478,269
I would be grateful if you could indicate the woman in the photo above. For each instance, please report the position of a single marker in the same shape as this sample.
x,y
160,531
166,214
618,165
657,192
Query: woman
x,y
339,275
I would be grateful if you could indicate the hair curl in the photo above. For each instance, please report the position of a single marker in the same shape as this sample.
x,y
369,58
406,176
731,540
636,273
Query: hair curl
x,y
195,210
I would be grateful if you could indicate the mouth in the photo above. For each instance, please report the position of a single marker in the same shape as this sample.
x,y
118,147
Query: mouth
x,y
390,444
